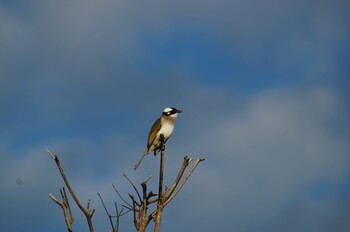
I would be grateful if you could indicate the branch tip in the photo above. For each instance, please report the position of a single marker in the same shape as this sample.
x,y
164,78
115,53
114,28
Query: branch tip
x,y
52,155
145,181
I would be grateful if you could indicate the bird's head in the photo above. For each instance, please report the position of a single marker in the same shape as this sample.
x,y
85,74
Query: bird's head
x,y
171,112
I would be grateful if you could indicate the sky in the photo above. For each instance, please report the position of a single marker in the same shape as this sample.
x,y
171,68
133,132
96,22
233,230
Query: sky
x,y
264,86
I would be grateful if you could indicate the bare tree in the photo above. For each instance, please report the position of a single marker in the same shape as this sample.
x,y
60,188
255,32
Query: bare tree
x,y
139,205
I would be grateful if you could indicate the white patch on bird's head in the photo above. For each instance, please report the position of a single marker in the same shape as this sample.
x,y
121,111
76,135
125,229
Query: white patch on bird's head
x,y
168,110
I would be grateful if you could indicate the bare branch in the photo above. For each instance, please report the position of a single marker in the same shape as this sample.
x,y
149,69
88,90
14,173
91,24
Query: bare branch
x,y
161,170
184,181
108,214
88,214
121,213
185,163
65,198
127,207
65,208
121,197
157,216
134,210
132,184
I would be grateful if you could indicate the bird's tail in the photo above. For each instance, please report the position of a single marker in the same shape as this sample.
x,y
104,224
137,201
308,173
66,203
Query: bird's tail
x,y
139,162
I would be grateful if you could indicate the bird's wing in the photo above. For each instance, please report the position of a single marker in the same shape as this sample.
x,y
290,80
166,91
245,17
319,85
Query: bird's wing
x,y
153,132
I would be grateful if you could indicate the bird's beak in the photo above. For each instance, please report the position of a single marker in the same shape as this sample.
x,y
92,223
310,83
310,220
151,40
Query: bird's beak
x,y
179,111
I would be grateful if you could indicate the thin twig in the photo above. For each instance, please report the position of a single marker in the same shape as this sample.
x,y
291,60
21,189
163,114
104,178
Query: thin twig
x,y
124,213
183,181
108,214
132,184
118,216
127,207
185,163
121,196
67,204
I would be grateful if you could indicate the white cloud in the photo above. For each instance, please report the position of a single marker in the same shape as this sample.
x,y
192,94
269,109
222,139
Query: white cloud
x,y
263,158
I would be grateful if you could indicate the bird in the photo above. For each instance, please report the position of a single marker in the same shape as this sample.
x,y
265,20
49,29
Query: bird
x,y
164,125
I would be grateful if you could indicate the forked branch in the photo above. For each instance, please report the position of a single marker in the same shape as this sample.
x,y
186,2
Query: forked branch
x,y
174,191
64,204
164,196
87,211
119,213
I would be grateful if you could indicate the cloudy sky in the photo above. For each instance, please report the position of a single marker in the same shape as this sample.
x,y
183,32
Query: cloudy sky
x,y
264,86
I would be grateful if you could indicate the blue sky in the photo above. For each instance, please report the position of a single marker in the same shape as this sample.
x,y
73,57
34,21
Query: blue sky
x,y
264,86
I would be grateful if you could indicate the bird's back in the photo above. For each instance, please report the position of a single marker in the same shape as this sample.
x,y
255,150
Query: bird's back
x,y
152,136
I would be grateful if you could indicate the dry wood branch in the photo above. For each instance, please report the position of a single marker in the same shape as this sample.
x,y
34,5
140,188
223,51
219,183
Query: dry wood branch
x,y
159,211
144,188
64,204
119,213
87,212
108,214
128,205
183,181
132,184
147,196
134,211
174,190
161,170
184,165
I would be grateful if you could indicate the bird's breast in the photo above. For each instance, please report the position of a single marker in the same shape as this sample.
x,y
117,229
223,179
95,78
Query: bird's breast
x,y
166,130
